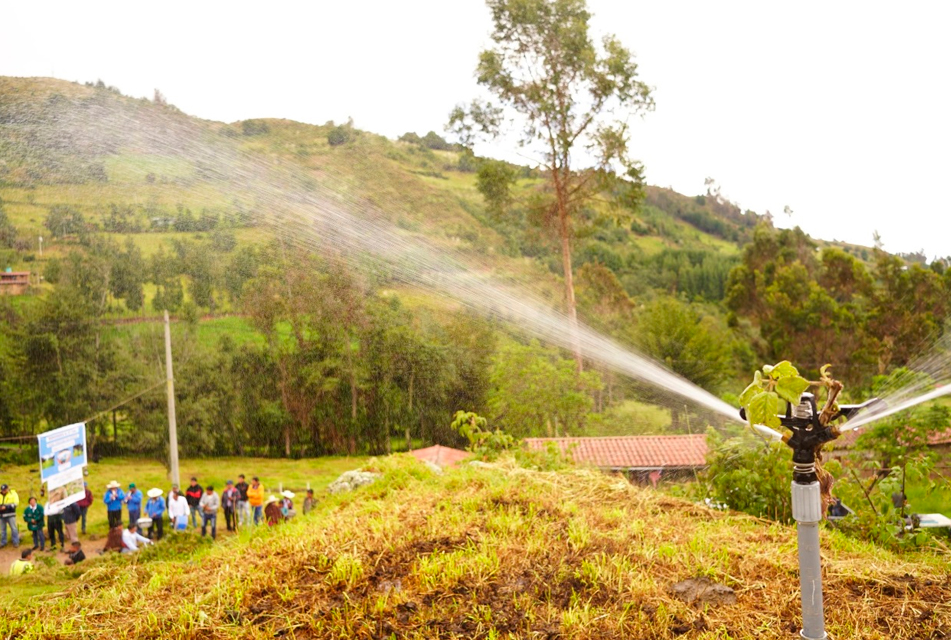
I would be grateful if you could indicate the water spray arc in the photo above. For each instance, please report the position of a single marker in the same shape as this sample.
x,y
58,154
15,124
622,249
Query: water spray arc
x,y
807,435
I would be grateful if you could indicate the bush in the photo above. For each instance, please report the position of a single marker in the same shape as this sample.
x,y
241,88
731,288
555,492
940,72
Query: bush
x,y
254,127
338,135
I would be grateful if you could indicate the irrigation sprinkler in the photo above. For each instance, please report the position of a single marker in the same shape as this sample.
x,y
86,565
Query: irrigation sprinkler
x,y
807,435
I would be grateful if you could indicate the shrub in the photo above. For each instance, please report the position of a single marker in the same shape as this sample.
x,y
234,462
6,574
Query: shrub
x,y
338,135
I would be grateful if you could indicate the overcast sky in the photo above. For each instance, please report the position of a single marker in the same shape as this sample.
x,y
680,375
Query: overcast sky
x,y
838,110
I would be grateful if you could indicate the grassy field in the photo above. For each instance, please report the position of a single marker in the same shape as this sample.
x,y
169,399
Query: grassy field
x,y
498,552
295,475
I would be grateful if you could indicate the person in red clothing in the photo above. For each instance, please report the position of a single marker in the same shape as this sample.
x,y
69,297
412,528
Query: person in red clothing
x,y
84,505
193,495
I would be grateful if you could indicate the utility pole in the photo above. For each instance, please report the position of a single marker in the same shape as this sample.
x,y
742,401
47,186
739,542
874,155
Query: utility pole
x,y
172,426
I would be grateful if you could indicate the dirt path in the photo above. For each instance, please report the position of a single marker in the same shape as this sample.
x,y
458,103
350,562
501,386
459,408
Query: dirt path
x,y
8,554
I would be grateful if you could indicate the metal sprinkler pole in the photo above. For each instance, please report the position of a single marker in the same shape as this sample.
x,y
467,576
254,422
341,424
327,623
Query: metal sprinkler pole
x,y
807,512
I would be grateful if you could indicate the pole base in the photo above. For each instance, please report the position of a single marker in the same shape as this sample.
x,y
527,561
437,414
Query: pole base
x,y
802,634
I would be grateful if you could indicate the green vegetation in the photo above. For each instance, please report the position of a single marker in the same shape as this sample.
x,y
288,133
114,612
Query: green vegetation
x,y
493,553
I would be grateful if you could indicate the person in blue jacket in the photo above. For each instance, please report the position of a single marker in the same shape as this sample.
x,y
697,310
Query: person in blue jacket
x,y
113,499
133,501
155,509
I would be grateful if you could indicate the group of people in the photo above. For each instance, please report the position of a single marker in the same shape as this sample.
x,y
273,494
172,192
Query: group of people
x,y
242,504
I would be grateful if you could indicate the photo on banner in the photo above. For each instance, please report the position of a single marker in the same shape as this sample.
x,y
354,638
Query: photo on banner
x,y
62,463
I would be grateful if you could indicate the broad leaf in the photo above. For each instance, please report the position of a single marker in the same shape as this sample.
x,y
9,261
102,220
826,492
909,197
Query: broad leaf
x,y
755,387
790,389
761,408
784,369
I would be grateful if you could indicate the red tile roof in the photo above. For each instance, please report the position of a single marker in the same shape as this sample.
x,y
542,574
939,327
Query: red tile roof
x,y
438,454
631,452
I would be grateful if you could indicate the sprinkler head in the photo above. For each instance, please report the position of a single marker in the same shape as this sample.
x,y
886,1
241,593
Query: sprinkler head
x,y
808,433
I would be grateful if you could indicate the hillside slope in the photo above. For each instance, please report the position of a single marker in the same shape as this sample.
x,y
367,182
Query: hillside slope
x,y
125,187
501,552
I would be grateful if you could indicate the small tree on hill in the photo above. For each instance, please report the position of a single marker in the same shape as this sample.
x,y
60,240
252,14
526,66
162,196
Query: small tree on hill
x,y
570,96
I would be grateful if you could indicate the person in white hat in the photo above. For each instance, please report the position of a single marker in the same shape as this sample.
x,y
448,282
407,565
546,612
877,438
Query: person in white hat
x,y
155,509
272,511
287,504
113,499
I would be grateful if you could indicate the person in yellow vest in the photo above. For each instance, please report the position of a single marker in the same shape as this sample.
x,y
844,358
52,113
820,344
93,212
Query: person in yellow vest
x,y
256,499
9,501
24,564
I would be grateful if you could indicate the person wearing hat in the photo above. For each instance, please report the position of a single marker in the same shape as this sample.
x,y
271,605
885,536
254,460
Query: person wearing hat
x,y
155,509
9,500
229,502
287,504
24,564
209,504
309,502
36,522
272,511
113,499
133,501
84,505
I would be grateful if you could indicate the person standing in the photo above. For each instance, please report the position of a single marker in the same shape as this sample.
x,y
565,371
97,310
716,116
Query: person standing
x,y
244,509
256,499
84,505
54,524
309,502
229,502
71,516
177,510
155,509
24,564
193,495
36,522
113,499
133,501
9,501
209,504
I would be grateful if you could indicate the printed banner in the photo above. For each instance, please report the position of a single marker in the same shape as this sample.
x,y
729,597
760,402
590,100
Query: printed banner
x,y
62,460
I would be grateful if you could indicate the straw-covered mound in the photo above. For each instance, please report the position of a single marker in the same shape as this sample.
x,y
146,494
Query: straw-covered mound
x,y
498,553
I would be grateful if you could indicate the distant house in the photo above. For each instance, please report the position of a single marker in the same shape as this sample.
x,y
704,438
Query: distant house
x,y
641,458
14,283
440,455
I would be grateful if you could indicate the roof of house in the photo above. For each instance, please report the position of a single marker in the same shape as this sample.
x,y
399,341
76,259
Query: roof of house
x,y
440,455
631,452
848,439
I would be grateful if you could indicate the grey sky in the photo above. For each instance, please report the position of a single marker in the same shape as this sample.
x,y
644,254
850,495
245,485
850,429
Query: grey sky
x,y
838,110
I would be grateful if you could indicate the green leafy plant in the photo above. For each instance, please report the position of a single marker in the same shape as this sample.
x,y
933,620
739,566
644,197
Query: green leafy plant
x,y
484,443
772,386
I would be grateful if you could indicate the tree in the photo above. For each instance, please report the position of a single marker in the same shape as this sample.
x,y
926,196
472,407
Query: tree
x,y
536,392
494,181
569,94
